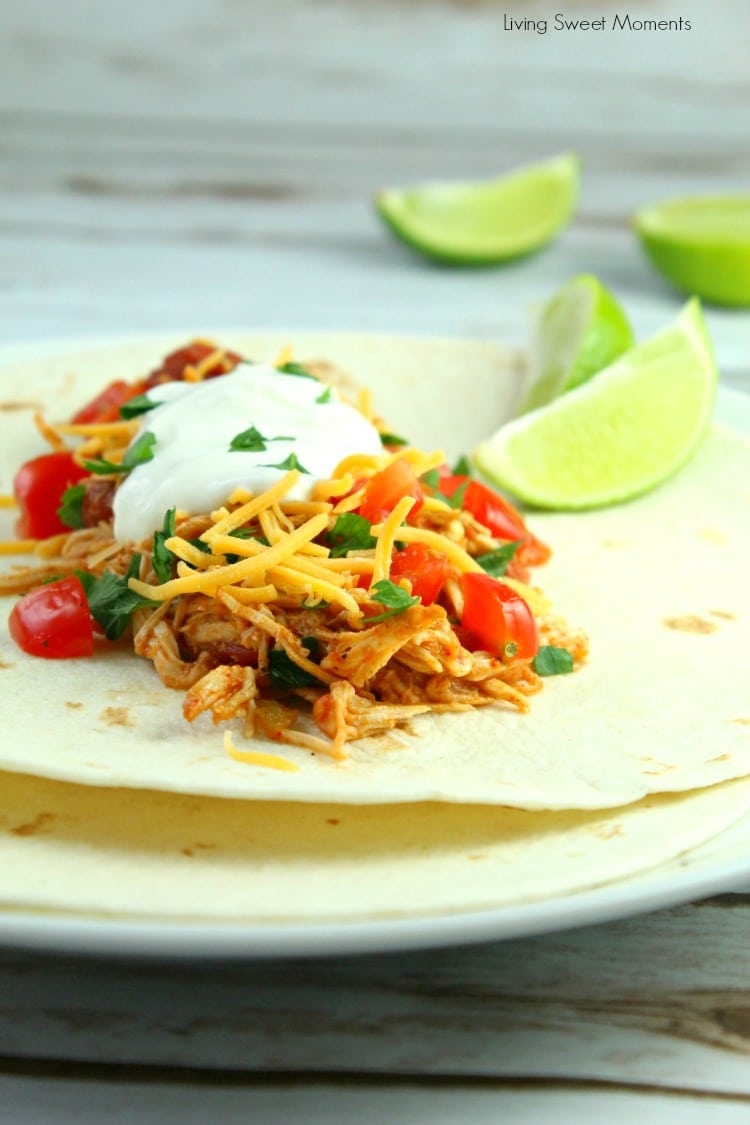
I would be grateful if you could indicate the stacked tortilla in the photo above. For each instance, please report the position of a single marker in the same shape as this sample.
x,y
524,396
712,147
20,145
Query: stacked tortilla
x,y
110,804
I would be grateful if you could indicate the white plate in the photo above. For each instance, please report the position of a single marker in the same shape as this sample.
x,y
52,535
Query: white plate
x,y
721,865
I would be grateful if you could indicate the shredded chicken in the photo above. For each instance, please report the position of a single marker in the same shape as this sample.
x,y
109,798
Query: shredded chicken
x,y
160,646
344,714
226,692
358,656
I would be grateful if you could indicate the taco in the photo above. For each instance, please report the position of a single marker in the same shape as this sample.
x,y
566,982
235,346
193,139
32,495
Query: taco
x,y
433,709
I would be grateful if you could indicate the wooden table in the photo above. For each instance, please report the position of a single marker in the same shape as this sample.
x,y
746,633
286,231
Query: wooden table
x,y
192,166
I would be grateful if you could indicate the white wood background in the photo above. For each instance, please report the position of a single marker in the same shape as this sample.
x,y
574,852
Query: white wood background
x,y
193,164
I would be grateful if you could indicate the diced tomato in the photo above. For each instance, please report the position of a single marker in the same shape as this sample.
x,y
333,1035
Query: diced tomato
x,y
54,621
173,366
498,515
386,488
106,406
496,618
39,486
425,569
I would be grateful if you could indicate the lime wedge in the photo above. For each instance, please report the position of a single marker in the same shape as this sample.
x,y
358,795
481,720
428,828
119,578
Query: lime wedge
x,y
617,435
487,221
701,245
579,331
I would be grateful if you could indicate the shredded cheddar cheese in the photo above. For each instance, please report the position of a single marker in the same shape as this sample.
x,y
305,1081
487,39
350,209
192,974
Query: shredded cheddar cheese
x,y
247,568
258,757
386,537
437,542
18,547
246,512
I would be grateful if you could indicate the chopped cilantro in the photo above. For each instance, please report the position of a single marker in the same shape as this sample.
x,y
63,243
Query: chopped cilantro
x,y
462,467
457,499
249,440
201,545
138,453
392,439
295,369
350,533
312,644
285,674
395,597
287,464
433,480
70,511
553,661
161,557
248,533
252,440
139,404
496,562
310,603
324,396
111,601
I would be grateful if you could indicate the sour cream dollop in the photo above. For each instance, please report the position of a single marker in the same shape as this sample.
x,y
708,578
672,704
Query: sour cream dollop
x,y
193,468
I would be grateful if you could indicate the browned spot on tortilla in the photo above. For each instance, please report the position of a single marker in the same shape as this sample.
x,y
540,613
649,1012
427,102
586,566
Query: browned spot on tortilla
x,y
657,766
116,717
711,535
72,704
719,758
333,820
607,831
477,857
723,614
690,623
34,827
191,849
12,405
743,722
6,664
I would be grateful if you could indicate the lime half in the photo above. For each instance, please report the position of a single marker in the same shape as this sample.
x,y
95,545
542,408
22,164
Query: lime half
x,y
617,435
579,331
701,245
487,221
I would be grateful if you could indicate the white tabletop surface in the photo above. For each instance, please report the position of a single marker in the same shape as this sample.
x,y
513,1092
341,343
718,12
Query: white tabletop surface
x,y
193,164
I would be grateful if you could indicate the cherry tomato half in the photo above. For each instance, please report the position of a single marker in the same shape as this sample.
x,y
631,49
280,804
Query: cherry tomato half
x,y
496,618
498,515
54,621
386,488
106,406
425,569
39,486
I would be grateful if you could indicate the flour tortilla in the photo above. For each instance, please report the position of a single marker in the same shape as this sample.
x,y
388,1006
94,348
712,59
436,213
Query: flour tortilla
x,y
74,849
661,706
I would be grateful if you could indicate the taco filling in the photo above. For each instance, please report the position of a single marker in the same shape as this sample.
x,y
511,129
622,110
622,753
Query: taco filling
x,y
276,552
